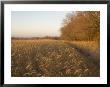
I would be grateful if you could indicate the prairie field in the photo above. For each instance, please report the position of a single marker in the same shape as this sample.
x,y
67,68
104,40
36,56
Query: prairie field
x,y
54,58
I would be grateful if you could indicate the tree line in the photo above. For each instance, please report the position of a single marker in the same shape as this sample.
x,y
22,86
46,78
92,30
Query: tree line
x,y
81,25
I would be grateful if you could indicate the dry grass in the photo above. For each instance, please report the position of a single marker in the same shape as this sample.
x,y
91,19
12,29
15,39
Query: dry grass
x,y
52,58
90,49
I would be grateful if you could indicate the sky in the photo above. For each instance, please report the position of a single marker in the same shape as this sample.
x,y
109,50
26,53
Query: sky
x,y
37,23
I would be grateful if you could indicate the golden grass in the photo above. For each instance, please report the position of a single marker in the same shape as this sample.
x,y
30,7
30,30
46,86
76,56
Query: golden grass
x,y
52,58
90,47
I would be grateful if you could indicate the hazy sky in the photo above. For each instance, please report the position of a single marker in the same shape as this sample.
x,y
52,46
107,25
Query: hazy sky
x,y
36,23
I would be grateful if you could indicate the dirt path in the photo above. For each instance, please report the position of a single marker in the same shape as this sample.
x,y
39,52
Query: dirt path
x,y
86,54
52,58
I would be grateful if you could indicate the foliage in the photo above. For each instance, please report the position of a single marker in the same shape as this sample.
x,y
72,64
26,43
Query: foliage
x,y
83,25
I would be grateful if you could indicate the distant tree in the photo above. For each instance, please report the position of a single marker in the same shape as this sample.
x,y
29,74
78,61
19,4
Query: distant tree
x,y
81,25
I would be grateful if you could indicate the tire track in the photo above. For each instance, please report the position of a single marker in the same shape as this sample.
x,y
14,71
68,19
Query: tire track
x,y
85,53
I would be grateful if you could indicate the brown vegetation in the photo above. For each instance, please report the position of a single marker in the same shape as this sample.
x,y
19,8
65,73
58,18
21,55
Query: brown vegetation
x,y
83,25
51,58
76,53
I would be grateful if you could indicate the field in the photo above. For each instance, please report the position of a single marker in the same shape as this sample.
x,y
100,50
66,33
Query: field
x,y
55,58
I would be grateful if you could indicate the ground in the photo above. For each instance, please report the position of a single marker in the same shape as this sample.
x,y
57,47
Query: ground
x,y
55,58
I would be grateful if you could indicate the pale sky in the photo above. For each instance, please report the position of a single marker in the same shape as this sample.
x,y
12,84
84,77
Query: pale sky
x,y
36,23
